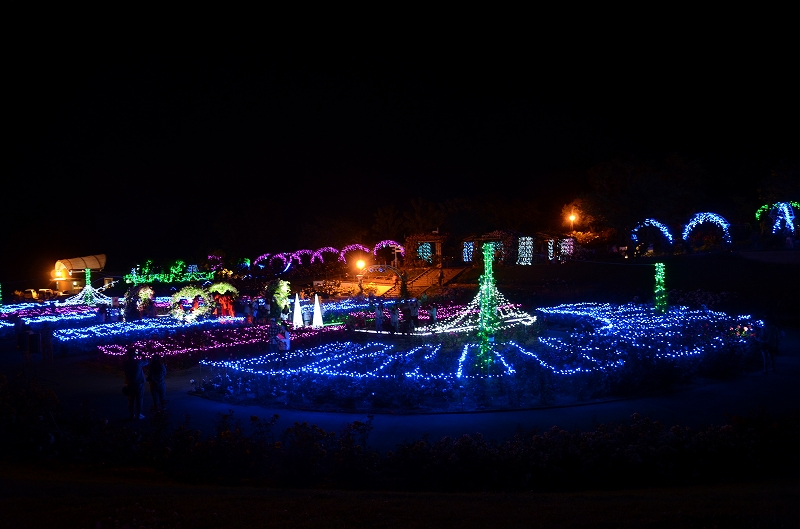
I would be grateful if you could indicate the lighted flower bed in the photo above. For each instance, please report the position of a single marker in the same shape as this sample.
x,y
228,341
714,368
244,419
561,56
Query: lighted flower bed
x,y
601,351
39,317
123,335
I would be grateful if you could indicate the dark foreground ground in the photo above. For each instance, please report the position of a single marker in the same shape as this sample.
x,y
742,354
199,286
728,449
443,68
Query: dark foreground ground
x,y
37,497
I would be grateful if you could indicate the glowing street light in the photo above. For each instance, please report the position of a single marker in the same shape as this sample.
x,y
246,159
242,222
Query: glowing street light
x,y
360,265
572,223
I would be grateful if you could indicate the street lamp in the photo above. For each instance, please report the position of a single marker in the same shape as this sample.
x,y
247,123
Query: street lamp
x,y
360,265
572,223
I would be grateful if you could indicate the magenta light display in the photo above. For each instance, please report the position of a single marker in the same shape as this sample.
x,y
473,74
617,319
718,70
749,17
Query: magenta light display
x,y
287,257
298,256
352,247
386,243
318,254
219,337
261,258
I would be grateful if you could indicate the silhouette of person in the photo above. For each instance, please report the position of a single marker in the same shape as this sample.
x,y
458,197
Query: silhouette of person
x,y
272,333
158,386
134,380
395,319
379,317
768,338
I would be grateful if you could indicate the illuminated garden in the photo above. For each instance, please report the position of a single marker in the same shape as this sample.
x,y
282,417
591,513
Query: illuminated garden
x,y
484,354
398,354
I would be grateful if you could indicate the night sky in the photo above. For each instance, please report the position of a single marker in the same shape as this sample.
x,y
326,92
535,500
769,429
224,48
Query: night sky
x,y
156,148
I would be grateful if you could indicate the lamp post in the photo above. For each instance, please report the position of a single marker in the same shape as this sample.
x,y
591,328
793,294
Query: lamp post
x,y
572,223
360,265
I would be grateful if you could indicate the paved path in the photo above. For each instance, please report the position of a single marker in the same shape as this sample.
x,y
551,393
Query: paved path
x,y
78,382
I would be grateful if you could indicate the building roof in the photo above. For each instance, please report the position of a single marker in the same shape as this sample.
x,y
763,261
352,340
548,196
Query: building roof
x,y
92,262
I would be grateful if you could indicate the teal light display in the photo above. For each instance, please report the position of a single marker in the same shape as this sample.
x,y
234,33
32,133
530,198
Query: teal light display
x,y
660,294
488,323
425,252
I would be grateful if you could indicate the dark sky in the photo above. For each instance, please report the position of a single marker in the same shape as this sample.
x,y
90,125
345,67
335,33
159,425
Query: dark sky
x,y
144,148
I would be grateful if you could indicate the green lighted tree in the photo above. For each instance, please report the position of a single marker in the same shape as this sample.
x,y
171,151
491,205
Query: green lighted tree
x,y
88,293
488,308
278,292
660,294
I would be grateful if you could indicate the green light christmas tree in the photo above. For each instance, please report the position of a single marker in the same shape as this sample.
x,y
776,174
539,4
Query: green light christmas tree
x,y
489,320
660,294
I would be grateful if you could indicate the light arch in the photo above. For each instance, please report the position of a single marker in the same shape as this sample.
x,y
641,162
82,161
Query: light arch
x,y
654,223
702,218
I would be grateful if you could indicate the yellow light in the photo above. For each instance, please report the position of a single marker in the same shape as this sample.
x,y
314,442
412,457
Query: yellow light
x,y
360,264
572,218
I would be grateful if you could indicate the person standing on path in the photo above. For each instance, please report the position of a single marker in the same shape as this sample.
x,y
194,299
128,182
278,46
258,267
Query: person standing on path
x,y
414,316
272,334
768,339
395,315
158,385
284,343
134,382
379,318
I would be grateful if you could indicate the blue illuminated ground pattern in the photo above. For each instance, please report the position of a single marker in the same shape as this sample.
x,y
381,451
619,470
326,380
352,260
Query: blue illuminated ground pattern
x,y
605,337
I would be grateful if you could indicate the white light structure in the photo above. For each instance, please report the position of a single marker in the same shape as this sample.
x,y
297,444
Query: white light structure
x,y
297,318
525,251
317,321
89,295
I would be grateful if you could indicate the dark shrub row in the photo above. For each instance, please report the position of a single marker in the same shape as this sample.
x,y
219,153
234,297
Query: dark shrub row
x,y
637,453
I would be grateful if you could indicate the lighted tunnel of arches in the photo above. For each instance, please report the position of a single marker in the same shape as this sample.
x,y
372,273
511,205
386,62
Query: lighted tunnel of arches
x,y
288,258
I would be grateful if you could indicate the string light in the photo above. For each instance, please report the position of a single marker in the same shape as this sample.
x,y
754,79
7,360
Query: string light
x,y
525,251
565,247
467,251
609,335
660,293
701,218
425,252
350,248
138,329
780,211
200,303
318,254
390,243
178,273
651,222
488,323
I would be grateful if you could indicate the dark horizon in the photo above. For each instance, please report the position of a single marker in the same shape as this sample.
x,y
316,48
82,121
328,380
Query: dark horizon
x,y
163,150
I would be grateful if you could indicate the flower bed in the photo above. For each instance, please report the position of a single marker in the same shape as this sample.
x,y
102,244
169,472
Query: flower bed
x,y
610,351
